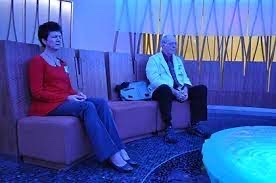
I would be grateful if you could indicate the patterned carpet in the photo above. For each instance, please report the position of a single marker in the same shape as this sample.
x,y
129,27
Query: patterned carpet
x,y
145,151
186,167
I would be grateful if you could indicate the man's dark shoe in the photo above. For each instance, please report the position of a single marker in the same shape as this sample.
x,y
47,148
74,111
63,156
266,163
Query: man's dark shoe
x,y
197,132
170,136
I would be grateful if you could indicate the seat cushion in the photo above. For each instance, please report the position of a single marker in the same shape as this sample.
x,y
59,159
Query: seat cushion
x,y
134,118
59,139
181,116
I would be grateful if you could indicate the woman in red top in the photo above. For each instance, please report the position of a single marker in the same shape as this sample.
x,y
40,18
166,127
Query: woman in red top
x,y
53,95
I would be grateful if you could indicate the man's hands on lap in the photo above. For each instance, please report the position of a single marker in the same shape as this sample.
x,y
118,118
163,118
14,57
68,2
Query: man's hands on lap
x,y
184,93
181,95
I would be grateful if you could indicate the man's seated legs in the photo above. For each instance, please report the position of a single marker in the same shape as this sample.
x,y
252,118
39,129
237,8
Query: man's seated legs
x,y
198,106
164,96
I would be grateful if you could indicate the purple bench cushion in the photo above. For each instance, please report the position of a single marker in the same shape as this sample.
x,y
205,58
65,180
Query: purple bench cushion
x,y
180,116
59,139
134,118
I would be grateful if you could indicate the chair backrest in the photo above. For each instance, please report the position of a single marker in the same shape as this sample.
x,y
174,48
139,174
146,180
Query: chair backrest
x,y
15,97
92,73
120,68
140,67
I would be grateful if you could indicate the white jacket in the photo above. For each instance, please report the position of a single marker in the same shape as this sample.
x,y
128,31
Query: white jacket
x,y
158,73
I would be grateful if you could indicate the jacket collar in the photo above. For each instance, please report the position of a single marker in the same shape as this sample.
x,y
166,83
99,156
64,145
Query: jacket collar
x,y
167,59
164,63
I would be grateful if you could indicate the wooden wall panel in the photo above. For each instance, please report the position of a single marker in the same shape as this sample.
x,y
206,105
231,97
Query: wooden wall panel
x,y
140,66
232,77
255,77
120,69
210,75
93,73
229,85
272,88
191,69
14,90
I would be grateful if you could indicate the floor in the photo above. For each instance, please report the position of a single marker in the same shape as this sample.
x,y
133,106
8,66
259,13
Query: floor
x,y
152,162
159,162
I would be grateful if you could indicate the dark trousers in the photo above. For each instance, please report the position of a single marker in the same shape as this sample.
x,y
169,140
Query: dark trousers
x,y
197,97
99,124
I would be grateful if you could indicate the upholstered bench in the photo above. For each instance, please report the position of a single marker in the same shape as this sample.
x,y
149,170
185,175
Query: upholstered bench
x,y
61,141
134,119
55,141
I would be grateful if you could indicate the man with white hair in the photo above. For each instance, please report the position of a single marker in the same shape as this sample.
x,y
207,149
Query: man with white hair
x,y
169,81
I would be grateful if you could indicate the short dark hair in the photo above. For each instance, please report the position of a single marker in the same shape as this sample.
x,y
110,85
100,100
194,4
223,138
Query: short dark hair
x,y
46,28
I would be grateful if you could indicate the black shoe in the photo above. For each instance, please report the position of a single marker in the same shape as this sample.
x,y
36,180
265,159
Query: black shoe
x,y
170,136
132,163
195,131
123,169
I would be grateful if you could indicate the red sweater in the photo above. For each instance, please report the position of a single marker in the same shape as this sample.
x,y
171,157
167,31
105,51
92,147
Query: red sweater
x,y
49,86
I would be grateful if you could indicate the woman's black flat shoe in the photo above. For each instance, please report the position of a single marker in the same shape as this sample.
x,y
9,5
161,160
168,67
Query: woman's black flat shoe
x,y
123,169
132,162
